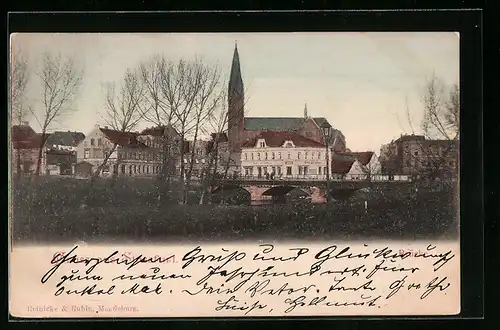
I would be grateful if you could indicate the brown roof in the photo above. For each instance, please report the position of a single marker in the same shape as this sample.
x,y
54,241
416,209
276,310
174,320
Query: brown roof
x,y
363,157
24,137
277,138
341,166
159,130
124,139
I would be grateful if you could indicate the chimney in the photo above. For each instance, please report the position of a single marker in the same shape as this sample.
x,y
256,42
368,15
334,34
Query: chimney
x,y
305,111
106,127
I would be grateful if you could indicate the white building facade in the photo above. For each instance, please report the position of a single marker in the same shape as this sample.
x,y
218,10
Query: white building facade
x,y
283,155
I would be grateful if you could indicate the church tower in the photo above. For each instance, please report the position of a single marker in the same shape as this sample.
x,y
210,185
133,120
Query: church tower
x,y
236,102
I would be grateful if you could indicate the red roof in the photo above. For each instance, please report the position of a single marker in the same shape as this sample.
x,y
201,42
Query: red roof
x,y
342,166
278,138
124,139
24,137
363,157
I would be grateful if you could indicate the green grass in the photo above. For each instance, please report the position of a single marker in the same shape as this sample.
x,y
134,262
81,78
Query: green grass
x,y
129,211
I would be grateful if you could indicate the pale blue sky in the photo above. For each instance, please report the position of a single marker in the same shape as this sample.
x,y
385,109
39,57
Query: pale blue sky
x,y
359,81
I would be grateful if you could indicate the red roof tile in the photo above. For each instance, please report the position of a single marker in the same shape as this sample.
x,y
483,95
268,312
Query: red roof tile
x,y
277,138
363,157
124,139
341,166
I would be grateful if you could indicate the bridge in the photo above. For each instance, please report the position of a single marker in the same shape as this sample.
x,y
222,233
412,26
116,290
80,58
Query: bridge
x,y
267,188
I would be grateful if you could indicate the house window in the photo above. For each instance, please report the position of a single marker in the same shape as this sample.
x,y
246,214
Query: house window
x,y
246,157
99,142
86,153
305,170
265,170
185,160
203,160
197,161
272,155
266,155
298,156
279,155
416,153
319,170
289,155
288,170
305,155
279,170
105,169
262,144
325,170
252,155
319,155
258,155
92,142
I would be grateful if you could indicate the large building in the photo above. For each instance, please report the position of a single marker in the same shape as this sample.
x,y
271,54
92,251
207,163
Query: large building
x,y
417,156
242,130
277,154
135,154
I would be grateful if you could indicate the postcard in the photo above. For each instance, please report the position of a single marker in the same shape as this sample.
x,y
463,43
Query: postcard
x,y
234,174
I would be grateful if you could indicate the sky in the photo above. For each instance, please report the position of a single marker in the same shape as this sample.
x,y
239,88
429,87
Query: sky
x,y
361,82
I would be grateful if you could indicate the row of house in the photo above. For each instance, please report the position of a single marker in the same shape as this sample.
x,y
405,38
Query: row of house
x,y
269,154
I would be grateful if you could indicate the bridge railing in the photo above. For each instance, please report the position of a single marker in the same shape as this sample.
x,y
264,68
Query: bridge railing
x,y
321,178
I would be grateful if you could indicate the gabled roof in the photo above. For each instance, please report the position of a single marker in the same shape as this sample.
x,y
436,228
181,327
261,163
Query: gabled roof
x,y
363,157
342,166
68,138
279,123
124,139
159,131
277,138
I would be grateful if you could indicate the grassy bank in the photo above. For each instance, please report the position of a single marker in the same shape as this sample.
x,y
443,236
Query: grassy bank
x,y
129,211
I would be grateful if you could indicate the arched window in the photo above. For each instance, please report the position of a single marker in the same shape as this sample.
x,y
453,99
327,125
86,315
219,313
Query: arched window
x,y
130,169
298,155
143,169
99,142
92,142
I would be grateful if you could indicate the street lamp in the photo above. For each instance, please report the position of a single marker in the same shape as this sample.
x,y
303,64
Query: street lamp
x,y
326,127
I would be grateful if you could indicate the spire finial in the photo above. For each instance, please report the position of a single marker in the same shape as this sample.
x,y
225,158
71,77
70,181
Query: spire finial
x,y
305,110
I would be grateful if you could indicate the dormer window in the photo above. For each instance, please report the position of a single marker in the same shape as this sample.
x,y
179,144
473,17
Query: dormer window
x,y
262,143
288,144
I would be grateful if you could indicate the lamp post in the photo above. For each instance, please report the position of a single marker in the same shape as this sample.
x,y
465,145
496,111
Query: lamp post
x,y
326,127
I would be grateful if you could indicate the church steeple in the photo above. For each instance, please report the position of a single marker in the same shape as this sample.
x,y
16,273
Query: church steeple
x,y
235,80
236,104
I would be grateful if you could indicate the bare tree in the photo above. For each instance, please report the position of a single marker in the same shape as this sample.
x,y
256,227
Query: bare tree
x,y
191,92
19,78
156,110
122,111
437,154
60,80
219,156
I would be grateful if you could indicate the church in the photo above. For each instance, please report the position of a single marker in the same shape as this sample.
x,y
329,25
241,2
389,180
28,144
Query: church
x,y
243,131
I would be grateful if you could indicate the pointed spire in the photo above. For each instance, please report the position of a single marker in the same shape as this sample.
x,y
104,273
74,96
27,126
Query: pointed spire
x,y
235,80
305,110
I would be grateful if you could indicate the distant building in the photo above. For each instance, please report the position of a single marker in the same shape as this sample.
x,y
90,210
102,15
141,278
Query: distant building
x,y
65,140
60,162
355,166
417,156
26,145
135,154
282,154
